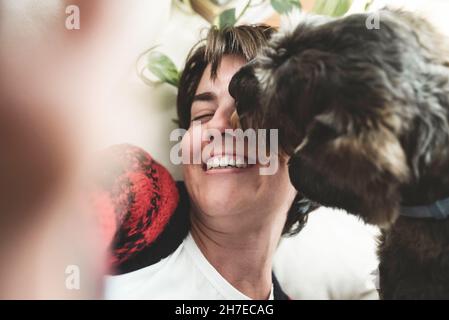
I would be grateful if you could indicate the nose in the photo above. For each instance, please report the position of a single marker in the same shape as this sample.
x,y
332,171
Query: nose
x,y
221,119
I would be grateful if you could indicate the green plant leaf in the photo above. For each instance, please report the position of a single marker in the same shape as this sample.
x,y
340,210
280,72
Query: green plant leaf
x,y
227,18
163,68
333,8
285,6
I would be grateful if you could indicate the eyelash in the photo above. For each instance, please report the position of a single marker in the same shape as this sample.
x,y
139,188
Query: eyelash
x,y
202,116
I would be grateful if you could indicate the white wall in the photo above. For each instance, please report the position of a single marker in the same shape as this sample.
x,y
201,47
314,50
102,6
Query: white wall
x,y
140,114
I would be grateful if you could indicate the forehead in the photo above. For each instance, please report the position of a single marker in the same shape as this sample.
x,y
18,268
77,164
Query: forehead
x,y
229,65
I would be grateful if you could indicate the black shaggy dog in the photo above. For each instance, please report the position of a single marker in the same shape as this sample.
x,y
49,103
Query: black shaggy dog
x,y
364,114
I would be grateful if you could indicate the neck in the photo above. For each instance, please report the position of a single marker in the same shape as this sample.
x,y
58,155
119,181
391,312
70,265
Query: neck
x,y
242,255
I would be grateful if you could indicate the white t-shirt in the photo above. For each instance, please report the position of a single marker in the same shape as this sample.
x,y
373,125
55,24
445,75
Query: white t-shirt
x,y
184,274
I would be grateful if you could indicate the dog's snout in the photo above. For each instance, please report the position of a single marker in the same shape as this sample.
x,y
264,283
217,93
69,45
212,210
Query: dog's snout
x,y
244,88
234,86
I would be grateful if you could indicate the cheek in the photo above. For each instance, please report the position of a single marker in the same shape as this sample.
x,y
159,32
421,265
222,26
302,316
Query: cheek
x,y
280,189
191,145
189,171
281,179
186,145
195,186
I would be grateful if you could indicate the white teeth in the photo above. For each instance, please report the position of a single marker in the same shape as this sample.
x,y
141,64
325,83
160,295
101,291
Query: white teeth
x,y
225,161
239,162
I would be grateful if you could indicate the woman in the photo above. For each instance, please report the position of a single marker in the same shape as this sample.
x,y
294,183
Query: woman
x,y
220,240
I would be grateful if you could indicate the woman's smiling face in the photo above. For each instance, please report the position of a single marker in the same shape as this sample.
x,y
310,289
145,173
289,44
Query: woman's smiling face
x,y
238,188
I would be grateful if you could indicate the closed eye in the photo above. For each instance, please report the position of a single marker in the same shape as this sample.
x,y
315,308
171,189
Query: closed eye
x,y
205,98
203,117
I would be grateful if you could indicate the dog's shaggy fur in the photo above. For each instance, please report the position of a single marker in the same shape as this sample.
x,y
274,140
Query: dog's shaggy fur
x,y
364,115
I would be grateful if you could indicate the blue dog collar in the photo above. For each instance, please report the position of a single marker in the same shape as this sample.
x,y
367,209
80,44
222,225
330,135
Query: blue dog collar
x,y
438,210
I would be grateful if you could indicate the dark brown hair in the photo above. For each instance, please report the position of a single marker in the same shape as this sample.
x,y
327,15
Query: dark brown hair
x,y
246,41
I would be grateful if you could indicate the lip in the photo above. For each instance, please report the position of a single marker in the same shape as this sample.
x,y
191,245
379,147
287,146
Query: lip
x,y
229,170
225,154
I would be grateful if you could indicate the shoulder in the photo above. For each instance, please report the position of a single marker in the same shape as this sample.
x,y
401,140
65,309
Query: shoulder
x,y
149,281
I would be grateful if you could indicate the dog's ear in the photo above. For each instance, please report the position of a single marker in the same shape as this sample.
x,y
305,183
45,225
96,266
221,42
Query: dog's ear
x,y
360,171
296,87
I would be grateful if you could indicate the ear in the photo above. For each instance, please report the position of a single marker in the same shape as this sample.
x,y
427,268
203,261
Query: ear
x,y
359,172
296,89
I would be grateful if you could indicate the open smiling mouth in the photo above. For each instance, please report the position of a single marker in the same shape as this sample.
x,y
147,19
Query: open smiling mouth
x,y
221,162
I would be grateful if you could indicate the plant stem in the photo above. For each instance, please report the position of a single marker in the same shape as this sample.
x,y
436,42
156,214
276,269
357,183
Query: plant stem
x,y
248,4
257,4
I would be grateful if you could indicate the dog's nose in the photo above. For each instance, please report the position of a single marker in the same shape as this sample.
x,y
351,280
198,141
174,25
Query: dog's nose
x,y
244,88
235,86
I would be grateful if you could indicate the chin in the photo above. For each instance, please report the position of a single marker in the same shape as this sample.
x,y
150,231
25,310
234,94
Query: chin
x,y
223,192
226,201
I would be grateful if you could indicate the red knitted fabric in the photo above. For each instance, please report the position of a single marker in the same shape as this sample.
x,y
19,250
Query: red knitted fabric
x,y
134,198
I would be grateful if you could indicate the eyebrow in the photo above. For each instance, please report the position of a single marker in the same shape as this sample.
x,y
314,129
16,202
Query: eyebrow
x,y
204,96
